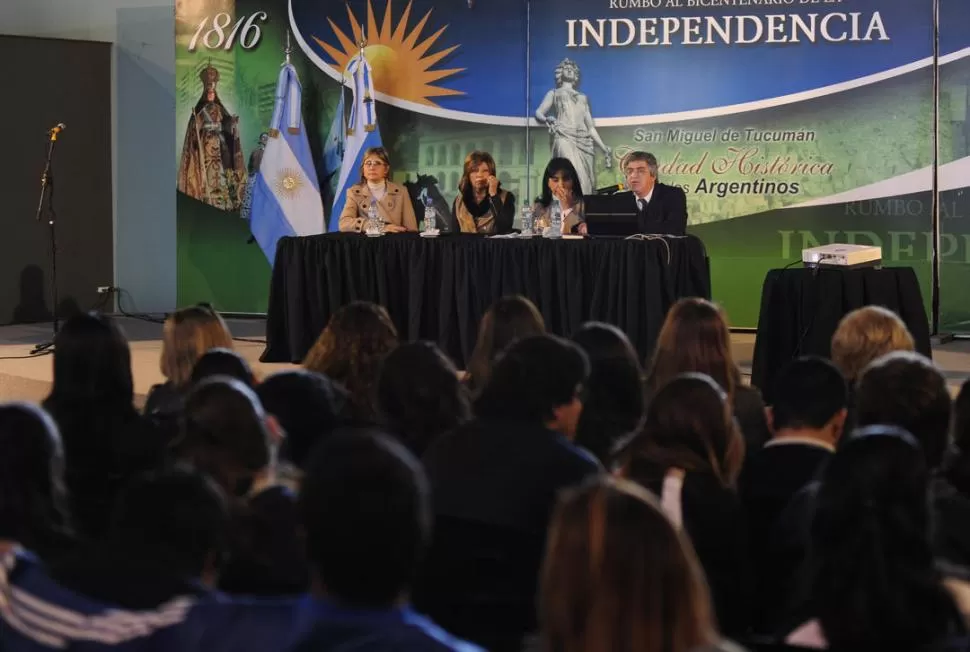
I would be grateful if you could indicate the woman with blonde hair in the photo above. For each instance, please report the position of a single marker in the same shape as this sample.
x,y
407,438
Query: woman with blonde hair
x,y
695,337
481,205
619,576
351,350
187,335
866,334
392,201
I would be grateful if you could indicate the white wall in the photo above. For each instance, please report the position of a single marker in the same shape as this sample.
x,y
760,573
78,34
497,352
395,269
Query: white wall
x,y
143,105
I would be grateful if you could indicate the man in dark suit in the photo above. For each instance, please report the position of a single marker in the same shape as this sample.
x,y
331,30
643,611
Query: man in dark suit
x,y
660,208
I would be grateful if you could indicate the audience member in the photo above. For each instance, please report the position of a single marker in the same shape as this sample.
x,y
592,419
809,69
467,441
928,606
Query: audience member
x,y
614,399
875,585
308,407
350,351
227,435
33,512
223,362
167,539
807,415
105,440
494,484
862,336
366,511
689,452
509,319
695,337
145,586
618,575
420,395
958,463
186,336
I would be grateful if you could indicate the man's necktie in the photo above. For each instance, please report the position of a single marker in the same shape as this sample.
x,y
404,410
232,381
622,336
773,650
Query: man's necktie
x,y
641,205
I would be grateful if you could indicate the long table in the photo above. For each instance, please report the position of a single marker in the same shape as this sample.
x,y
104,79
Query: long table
x,y
438,288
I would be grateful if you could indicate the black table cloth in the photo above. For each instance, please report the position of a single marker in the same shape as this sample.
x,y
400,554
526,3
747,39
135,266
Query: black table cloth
x,y
802,307
438,289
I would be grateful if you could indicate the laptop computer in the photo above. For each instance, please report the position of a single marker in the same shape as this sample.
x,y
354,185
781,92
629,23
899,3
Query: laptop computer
x,y
611,215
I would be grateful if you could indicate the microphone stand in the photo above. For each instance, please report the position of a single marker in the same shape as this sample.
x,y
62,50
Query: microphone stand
x,y
47,190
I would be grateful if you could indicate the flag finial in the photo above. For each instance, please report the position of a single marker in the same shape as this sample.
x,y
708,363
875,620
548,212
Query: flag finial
x,y
288,48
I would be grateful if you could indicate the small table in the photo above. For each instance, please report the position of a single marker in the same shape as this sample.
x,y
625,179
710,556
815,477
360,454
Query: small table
x,y
802,307
438,289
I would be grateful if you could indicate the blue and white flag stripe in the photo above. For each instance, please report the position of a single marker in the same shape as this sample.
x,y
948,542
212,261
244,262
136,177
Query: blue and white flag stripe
x,y
362,132
286,196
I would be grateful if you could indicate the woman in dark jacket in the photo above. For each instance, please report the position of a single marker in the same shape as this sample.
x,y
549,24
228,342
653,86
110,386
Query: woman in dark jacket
x,y
689,453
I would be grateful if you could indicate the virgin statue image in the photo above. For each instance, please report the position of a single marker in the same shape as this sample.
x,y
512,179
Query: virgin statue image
x,y
212,168
566,112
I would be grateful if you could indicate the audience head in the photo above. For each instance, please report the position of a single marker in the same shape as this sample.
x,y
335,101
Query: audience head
x,y
539,380
308,406
614,397
187,335
959,465
31,474
225,433
179,517
866,334
479,166
223,362
688,425
619,576
350,350
694,337
875,583
509,319
366,509
375,166
809,395
92,365
906,390
420,395
560,173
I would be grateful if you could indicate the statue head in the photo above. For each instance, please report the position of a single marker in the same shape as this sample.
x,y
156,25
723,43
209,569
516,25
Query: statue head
x,y
210,78
567,71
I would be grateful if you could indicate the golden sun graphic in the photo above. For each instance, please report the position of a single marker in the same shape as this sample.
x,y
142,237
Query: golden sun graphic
x,y
289,182
401,66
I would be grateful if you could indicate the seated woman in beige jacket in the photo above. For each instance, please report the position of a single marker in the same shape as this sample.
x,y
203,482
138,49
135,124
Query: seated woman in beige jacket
x,y
393,202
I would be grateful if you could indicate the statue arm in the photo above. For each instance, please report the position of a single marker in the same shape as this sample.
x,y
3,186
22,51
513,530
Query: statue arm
x,y
542,113
591,126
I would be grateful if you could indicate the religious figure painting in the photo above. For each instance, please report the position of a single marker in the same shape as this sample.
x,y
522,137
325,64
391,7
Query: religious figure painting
x,y
565,111
212,168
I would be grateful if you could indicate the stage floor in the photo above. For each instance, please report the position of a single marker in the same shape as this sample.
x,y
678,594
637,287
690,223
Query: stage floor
x,y
23,377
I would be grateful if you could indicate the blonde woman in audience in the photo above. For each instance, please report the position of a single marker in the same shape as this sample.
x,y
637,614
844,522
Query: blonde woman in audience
x,y
350,351
689,452
392,201
508,320
187,335
866,334
619,576
696,337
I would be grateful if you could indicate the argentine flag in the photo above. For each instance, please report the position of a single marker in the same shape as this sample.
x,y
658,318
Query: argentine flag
x,y
286,197
362,132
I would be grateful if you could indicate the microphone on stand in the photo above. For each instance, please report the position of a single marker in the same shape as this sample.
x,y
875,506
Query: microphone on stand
x,y
56,129
609,190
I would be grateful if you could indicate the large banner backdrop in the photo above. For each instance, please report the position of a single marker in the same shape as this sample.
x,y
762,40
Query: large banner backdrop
x,y
789,123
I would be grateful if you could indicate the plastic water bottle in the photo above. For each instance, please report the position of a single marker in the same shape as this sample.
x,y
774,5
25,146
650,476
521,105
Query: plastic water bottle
x,y
555,221
374,226
429,215
527,221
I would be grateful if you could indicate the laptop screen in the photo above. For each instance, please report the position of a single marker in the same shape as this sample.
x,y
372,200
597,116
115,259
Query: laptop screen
x,y
611,215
